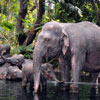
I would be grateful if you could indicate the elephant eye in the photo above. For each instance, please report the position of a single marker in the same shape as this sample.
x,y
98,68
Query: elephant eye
x,y
47,39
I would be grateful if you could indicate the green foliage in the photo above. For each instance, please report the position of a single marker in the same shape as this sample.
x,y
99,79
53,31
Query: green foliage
x,y
88,13
8,19
26,51
57,10
79,10
63,12
8,25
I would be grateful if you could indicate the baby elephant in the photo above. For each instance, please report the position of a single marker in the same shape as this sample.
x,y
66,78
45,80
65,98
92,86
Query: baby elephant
x,y
46,73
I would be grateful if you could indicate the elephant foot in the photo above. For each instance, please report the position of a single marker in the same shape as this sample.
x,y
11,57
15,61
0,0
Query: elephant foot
x,y
74,89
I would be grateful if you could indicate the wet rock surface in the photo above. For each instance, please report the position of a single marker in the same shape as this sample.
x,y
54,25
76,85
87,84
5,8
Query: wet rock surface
x,y
13,73
4,49
16,60
8,72
10,66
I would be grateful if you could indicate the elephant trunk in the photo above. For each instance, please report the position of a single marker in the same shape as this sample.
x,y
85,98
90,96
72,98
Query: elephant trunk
x,y
39,52
58,81
55,78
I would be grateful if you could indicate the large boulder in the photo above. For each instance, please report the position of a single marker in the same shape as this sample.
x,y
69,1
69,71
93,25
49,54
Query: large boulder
x,y
5,51
2,62
3,71
13,73
16,60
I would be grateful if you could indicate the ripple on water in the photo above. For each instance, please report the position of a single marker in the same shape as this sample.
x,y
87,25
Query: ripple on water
x,y
13,91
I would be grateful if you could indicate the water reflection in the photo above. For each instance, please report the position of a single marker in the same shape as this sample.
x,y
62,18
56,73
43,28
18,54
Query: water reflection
x,y
74,96
36,97
13,91
93,94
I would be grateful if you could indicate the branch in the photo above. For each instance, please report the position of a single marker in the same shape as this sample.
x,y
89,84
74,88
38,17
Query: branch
x,y
32,32
20,23
96,11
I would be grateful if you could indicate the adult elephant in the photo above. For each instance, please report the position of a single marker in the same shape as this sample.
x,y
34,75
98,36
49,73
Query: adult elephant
x,y
80,42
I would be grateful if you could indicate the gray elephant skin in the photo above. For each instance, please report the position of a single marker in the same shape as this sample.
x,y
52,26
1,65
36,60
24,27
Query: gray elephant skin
x,y
80,42
46,73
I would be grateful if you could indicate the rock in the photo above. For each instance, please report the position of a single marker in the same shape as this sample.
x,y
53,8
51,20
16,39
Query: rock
x,y
15,60
13,73
4,49
8,72
2,62
3,71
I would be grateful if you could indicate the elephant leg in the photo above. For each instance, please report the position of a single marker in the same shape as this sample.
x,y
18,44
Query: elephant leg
x,y
43,83
24,84
98,79
65,72
94,77
77,62
31,86
62,65
24,81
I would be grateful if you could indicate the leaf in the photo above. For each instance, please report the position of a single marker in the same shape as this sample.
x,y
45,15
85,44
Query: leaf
x,y
8,25
75,9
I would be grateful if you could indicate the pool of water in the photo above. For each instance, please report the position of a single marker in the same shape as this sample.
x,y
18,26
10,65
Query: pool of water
x,y
13,91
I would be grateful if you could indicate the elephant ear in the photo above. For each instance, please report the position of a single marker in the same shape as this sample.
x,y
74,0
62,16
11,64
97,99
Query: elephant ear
x,y
66,42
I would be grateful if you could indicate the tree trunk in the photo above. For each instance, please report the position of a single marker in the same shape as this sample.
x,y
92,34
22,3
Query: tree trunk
x,y
20,23
96,11
98,3
4,9
69,1
0,8
34,30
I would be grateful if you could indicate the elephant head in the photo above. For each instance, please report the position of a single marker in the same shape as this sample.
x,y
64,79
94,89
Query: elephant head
x,y
51,41
48,72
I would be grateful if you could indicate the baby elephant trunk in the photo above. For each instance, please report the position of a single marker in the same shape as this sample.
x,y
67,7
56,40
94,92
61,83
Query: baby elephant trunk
x,y
48,72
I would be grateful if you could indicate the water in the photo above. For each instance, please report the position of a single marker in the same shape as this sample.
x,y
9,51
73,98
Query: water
x,y
13,91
